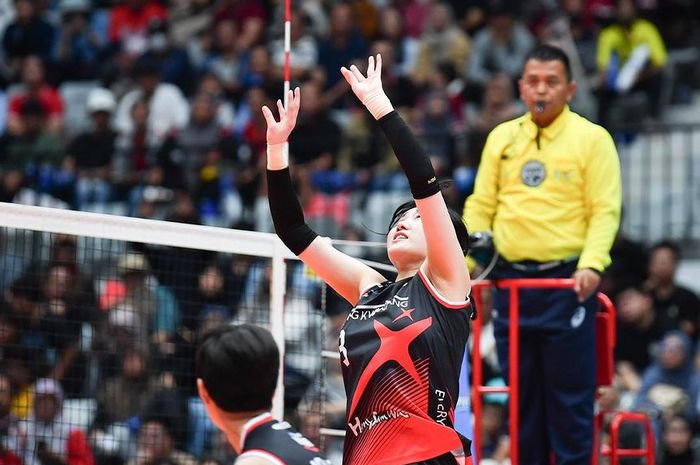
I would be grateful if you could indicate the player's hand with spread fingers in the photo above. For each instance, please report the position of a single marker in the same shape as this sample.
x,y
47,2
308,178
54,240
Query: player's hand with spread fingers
x,y
278,131
369,88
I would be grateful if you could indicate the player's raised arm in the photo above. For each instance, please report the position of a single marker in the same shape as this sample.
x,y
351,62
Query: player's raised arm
x,y
444,265
343,273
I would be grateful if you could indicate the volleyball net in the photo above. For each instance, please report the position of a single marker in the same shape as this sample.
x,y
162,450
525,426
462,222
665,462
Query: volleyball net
x,y
100,320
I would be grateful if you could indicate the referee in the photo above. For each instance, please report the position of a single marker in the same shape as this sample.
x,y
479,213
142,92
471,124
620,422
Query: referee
x,y
548,187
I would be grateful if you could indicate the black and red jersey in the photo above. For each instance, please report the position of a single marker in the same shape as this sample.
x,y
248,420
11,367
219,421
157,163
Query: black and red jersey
x,y
278,443
401,350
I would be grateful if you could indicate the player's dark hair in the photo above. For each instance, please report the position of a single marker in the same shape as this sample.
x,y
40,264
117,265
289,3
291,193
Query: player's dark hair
x,y
670,245
239,365
456,218
546,52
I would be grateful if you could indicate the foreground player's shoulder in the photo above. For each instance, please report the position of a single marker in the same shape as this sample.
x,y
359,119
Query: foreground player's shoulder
x,y
262,457
257,458
423,285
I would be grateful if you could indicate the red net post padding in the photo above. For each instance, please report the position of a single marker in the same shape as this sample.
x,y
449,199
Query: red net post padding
x,y
605,342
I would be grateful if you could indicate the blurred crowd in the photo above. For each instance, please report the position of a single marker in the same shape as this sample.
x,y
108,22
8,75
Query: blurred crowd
x,y
151,109
97,347
143,107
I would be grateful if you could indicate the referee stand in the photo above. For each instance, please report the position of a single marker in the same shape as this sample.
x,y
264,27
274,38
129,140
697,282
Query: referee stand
x,y
605,343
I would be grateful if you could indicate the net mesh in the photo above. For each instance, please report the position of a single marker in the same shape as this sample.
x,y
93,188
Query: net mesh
x,y
98,336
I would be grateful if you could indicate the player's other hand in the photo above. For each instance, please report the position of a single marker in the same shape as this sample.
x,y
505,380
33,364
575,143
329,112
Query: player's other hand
x,y
369,88
365,86
586,281
279,131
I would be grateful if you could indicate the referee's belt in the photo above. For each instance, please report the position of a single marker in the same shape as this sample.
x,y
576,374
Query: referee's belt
x,y
531,266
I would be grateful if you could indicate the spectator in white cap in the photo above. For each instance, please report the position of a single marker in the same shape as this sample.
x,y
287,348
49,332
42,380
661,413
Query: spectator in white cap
x,y
153,303
123,329
49,439
91,153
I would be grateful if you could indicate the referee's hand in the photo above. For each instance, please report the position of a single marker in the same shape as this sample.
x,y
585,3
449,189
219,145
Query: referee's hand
x,y
586,281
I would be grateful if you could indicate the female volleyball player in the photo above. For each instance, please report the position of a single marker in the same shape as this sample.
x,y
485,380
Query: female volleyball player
x,y
403,342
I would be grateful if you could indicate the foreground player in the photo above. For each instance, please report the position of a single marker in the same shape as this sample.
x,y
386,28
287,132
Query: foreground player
x,y
403,342
237,369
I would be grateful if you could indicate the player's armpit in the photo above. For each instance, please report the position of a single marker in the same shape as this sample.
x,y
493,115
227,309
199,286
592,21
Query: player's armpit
x,y
345,274
255,459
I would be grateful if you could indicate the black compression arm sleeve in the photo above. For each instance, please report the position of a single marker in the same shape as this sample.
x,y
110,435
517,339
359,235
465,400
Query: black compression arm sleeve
x,y
414,161
287,215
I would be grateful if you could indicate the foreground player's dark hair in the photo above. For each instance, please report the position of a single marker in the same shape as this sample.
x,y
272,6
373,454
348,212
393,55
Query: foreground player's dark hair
x,y
239,367
545,52
456,218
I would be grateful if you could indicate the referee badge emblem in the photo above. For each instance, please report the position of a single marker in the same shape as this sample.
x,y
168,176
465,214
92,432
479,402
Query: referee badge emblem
x,y
578,317
533,173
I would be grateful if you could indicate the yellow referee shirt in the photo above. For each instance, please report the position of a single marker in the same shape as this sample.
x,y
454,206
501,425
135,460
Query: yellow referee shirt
x,y
548,193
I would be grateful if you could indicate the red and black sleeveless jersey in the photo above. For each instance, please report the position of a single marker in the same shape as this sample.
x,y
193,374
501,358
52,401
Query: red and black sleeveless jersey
x,y
278,443
401,350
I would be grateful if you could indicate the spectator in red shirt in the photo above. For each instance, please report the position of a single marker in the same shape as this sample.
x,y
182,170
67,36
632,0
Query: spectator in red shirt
x,y
129,24
35,88
249,17
414,15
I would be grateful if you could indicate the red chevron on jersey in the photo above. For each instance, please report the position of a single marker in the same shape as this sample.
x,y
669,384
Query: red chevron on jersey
x,y
402,349
390,433
393,345
404,314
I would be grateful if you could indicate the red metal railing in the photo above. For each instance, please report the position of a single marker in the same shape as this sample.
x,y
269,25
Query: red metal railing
x,y
613,450
478,390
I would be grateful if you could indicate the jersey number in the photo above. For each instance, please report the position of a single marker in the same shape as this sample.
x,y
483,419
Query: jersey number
x,y
343,350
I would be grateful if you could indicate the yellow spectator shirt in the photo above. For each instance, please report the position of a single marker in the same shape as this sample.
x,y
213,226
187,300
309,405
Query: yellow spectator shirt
x,y
616,39
549,193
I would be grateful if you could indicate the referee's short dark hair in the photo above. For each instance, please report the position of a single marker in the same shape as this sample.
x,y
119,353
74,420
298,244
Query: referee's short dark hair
x,y
546,52
239,366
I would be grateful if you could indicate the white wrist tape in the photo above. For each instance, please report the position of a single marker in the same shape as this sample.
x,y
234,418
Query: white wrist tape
x,y
378,104
277,156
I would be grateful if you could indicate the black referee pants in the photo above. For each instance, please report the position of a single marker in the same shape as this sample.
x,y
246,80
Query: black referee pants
x,y
556,368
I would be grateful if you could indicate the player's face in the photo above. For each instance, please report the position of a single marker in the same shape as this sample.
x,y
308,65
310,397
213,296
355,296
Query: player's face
x,y
406,241
545,89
